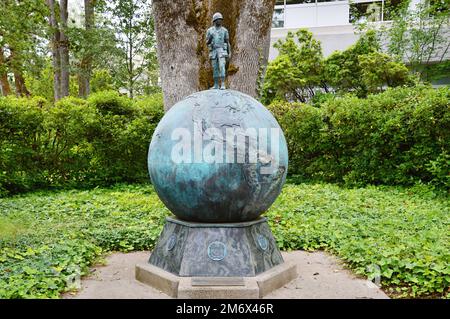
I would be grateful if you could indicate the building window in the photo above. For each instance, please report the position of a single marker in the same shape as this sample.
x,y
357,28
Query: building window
x,y
278,18
389,9
365,12
288,2
281,6
373,10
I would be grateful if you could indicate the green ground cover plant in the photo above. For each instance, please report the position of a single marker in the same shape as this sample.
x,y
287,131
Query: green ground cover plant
x,y
48,239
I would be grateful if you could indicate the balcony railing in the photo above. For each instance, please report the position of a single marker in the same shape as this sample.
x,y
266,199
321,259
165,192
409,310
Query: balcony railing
x,y
311,13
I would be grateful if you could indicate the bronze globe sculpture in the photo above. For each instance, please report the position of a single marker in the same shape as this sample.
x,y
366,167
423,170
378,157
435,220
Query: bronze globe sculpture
x,y
218,187
218,159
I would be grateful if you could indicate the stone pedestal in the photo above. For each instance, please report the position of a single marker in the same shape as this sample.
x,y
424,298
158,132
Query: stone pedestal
x,y
189,249
216,287
223,260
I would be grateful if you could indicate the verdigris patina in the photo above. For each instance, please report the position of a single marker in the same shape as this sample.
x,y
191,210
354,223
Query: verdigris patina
x,y
218,159
208,249
218,41
207,185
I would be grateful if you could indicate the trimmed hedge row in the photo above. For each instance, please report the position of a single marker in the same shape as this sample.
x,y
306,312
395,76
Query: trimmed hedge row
x,y
75,143
398,137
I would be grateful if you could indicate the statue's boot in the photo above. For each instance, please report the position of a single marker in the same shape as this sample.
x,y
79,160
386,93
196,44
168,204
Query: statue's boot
x,y
222,87
216,83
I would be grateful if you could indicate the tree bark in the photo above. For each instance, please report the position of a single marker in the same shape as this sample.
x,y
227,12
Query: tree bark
x,y
181,45
55,50
64,49
84,78
130,67
19,81
4,83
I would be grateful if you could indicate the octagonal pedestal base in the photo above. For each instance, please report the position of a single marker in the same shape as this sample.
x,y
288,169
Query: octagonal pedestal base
x,y
216,287
243,249
225,260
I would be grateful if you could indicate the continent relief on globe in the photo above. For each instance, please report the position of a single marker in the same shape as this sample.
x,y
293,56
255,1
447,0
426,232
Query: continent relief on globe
x,y
218,156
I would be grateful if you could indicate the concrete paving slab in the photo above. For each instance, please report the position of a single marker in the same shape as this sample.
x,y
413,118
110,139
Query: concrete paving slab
x,y
249,290
320,275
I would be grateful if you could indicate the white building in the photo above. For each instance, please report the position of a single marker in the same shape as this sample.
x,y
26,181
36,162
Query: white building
x,y
329,20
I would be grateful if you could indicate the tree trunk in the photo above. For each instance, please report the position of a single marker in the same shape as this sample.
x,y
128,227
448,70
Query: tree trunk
x,y
130,53
130,69
6,89
84,78
181,45
19,81
251,51
64,49
55,51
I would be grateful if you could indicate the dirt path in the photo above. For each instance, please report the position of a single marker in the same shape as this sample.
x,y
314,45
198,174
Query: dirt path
x,y
320,276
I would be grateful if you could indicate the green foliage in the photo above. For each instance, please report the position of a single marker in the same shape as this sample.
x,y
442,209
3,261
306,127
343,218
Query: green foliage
x,y
418,35
22,26
21,122
42,84
93,49
300,72
117,37
135,65
101,81
76,143
403,231
440,170
46,271
61,234
111,102
343,70
303,128
398,137
379,69
296,71
321,98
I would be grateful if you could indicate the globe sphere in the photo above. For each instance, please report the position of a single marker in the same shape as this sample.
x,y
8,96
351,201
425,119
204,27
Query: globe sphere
x,y
218,156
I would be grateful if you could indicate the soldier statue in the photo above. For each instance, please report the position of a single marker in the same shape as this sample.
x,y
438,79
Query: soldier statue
x,y
218,42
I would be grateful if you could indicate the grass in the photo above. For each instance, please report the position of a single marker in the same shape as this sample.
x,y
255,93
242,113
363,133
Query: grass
x,y
47,239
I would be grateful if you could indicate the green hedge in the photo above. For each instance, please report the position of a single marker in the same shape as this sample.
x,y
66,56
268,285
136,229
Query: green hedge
x,y
75,143
399,137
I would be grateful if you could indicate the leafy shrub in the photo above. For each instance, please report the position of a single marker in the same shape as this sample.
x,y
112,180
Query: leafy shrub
x,y
440,170
342,69
101,81
379,69
75,143
388,138
21,125
296,71
42,85
300,72
320,98
111,102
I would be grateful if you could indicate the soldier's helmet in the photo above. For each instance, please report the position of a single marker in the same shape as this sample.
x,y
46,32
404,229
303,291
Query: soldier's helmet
x,y
217,16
